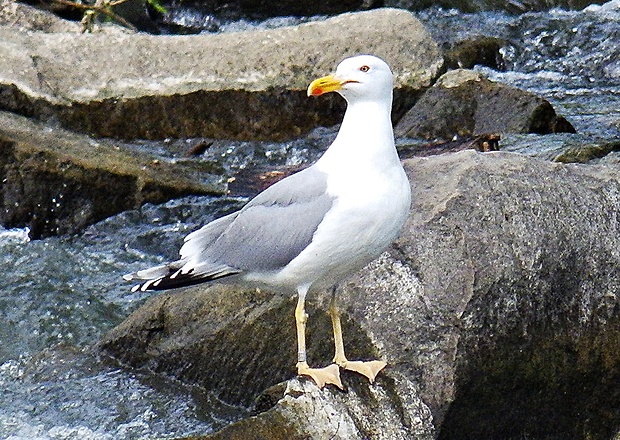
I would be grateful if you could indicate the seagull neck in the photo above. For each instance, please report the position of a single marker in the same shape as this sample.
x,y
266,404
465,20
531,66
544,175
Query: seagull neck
x,y
368,117
365,135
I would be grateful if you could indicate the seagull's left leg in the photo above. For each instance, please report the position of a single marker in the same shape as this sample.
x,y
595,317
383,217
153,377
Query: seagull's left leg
x,y
321,376
370,369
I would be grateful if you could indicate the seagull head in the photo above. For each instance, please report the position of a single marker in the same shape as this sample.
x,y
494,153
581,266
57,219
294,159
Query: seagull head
x,y
360,77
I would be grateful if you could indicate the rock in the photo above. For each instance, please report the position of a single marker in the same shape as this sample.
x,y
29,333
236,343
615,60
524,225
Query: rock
x,y
209,337
565,148
465,103
483,143
43,18
479,50
588,152
55,182
243,85
24,17
362,412
497,310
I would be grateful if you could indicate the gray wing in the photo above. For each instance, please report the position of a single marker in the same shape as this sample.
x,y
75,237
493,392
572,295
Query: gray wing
x,y
272,229
265,235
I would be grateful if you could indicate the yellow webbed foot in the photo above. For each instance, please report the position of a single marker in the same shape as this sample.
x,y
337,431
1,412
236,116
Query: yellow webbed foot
x,y
321,376
369,369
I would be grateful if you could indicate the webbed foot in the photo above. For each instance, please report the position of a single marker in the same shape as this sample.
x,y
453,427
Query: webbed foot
x,y
370,369
321,376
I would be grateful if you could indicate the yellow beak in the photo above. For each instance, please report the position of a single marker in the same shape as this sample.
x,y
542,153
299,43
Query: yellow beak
x,y
323,85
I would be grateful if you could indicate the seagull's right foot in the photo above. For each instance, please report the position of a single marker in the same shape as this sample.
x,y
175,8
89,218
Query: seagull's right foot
x,y
321,376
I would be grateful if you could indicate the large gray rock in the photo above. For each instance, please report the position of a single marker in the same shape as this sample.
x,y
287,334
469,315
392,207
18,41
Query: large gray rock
x,y
497,310
465,103
243,85
57,182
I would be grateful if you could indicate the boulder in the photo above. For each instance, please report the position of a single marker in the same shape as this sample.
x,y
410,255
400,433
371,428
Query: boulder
x,y
497,311
478,50
239,85
464,103
57,182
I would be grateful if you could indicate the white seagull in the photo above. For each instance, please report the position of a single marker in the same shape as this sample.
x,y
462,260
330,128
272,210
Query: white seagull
x,y
313,228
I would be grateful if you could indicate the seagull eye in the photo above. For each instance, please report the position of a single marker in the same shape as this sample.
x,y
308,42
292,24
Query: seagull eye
x,y
364,69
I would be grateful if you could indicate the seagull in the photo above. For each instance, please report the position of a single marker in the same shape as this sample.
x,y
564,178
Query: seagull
x,y
312,229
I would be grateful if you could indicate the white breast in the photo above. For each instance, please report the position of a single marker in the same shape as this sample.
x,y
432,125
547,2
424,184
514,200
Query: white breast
x,y
370,209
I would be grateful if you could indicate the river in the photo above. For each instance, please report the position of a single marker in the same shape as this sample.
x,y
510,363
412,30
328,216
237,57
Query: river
x,y
61,294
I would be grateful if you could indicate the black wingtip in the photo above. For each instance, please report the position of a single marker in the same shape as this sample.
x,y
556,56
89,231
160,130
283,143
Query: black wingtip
x,y
176,281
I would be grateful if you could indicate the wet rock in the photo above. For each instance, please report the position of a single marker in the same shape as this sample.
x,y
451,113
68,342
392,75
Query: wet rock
x,y
587,152
465,103
86,16
243,85
565,148
480,50
497,310
56,182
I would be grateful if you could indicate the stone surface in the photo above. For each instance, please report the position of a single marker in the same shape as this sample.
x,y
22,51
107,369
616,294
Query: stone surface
x,y
23,17
465,103
479,50
497,310
243,85
210,337
362,412
587,152
56,182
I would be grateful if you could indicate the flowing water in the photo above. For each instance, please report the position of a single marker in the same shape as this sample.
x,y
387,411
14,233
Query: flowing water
x,y
60,295
571,58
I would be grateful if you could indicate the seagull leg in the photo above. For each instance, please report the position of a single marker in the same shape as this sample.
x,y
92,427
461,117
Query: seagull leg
x,y
370,369
321,376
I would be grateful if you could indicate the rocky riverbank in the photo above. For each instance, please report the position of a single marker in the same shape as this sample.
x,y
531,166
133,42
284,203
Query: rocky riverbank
x,y
497,309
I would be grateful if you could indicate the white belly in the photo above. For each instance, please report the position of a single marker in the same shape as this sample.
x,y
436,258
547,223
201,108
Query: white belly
x,y
367,216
